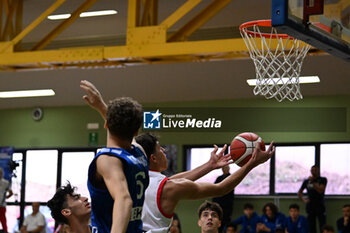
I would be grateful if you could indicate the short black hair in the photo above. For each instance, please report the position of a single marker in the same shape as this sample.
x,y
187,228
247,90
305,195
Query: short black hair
x,y
327,228
124,117
59,202
148,141
248,206
346,205
231,224
211,206
273,208
294,206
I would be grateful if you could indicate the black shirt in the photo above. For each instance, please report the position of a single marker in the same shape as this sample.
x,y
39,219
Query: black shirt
x,y
227,199
315,197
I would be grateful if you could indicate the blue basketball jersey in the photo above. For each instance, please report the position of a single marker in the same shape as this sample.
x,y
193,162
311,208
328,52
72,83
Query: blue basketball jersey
x,y
135,168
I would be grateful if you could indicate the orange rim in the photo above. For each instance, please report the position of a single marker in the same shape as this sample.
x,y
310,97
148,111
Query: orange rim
x,y
263,23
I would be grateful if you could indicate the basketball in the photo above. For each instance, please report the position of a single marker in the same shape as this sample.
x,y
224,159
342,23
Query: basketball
x,y
242,147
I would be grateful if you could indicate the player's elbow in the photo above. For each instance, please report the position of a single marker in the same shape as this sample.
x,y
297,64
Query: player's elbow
x,y
124,200
128,201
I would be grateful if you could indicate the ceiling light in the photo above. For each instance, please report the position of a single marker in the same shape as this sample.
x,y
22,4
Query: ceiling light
x,y
26,93
84,14
302,79
57,17
98,13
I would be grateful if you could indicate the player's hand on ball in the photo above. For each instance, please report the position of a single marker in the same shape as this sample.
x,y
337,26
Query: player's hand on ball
x,y
260,156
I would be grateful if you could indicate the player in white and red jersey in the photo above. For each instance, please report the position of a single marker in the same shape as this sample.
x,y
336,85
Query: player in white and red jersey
x,y
163,194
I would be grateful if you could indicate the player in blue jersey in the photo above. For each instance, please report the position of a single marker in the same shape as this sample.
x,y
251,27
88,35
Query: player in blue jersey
x,y
118,175
271,220
249,220
296,223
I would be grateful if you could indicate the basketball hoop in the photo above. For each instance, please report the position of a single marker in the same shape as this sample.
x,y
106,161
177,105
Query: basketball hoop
x,y
277,58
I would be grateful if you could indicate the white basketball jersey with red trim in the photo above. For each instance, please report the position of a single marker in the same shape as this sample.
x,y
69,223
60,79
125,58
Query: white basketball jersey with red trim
x,y
153,217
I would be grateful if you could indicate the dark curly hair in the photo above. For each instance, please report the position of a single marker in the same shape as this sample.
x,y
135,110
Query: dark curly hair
x,y
273,208
59,202
124,117
213,206
148,141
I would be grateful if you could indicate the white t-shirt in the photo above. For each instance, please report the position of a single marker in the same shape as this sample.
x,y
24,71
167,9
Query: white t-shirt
x,y
153,217
33,221
4,186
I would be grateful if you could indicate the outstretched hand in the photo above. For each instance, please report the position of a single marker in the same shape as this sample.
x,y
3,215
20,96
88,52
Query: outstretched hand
x,y
93,97
219,160
260,156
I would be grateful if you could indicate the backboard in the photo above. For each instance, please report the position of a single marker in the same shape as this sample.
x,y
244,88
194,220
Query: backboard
x,y
324,24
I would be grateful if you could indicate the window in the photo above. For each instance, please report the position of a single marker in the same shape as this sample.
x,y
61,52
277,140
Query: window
x,y
16,178
199,156
12,214
335,166
75,169
292,166
256,182
41,173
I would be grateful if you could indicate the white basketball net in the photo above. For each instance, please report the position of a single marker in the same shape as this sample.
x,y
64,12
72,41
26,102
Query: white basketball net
x,y
277,63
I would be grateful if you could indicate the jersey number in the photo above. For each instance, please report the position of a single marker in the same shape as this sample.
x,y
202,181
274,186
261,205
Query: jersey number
x,y
142,175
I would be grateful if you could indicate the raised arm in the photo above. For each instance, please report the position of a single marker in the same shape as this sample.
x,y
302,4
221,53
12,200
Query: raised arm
x,y
216,161
93,97
111,169
177,189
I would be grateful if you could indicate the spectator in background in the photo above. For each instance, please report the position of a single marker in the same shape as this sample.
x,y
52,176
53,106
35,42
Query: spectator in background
x,y
225,201
343,224
35,222
210,216
271,219
175,226
315,203
296,223
231,228
249,220
5,192
327,229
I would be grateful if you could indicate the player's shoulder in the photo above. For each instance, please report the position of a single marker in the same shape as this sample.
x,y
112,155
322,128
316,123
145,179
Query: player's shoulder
x,y
138,146
178,180
176,184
